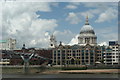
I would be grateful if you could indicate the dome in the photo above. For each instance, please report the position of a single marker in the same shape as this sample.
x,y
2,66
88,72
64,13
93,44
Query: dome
x,y
87,35
87,29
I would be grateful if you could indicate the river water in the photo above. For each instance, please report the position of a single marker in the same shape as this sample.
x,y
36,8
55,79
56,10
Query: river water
x,y
60,76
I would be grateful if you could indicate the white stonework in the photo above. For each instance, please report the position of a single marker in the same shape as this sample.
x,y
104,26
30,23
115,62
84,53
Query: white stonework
x,y
87,35
53,42
9,44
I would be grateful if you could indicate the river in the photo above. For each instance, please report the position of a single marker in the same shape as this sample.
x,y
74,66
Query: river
x,y
60,76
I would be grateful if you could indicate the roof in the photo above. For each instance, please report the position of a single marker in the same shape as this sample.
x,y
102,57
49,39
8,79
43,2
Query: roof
x,y
87,29
3,41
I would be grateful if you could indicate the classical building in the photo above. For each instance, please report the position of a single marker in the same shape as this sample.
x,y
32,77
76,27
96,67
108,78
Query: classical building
x,y
87,35
86,52
9,44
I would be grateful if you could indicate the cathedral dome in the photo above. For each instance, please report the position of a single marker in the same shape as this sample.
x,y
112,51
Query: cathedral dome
x,y
87,35
87,29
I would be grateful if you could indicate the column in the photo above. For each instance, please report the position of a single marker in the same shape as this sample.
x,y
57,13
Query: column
x,y
60,57
91,40
53,56
56,56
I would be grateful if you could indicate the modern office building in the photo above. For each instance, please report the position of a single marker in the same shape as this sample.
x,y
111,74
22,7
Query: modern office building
x,y
112,54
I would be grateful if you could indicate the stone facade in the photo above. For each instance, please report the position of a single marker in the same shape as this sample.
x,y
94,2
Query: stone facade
x,y
83,53
77,55
87,35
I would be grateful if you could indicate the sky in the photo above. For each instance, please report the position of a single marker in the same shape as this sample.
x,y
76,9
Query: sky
x,y
32,23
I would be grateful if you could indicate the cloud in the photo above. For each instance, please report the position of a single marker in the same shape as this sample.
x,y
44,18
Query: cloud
x,y
0,20
76,17
72,5
73,18
91,13
74,40
64,36
65,0
104,11
100,5
103,43
21,22
106,34
108,15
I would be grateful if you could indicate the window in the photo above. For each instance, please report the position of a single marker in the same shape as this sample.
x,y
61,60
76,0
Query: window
x,y
58,51
86,60
68,58
86,51
58,62
86,57
91,60
63,51
82,51
82,54
113,60
54,51
91,57
82,57
63,55
78,62
82,61
55,54
58,57
68,51
73,51
73,54
91,54
113,47
77,50
58,54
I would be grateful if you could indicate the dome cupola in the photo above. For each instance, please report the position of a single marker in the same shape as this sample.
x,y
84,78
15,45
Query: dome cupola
x,y
87,34
87,28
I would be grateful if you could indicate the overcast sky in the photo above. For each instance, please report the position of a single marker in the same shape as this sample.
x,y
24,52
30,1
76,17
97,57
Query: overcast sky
x,y
33,22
